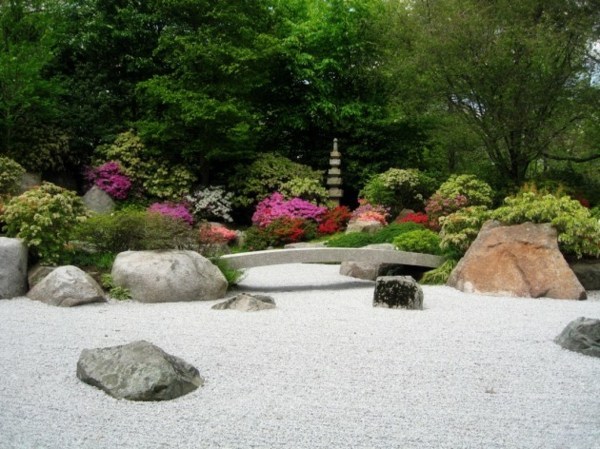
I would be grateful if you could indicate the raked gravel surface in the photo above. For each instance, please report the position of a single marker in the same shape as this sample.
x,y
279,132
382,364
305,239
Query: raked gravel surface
x,y
323,370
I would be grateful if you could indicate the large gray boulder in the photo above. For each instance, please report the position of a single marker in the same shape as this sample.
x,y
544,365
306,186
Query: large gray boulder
x,y
581,335
367,271
67,286
97,200
138,371
521,260
246,303
398,292
13,268
168,276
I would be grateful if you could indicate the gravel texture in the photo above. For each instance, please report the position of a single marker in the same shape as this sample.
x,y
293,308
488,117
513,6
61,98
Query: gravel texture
x,y
323,370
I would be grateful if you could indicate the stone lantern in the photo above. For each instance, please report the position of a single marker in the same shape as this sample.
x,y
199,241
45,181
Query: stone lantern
x,y
334,175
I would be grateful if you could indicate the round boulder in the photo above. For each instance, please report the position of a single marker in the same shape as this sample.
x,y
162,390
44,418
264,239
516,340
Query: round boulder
x,y
168,276
13,268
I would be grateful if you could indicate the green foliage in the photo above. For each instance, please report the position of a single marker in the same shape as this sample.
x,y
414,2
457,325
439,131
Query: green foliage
x,y
279,232
79,257
268,173
350,240
578,231
460,229
420,241
10,176
477,192
595,212
439,275
135,230
398,189
384,235
114,291
43,218
232,275
309,189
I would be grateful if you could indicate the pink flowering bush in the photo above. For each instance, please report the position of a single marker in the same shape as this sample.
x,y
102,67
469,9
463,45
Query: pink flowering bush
x,y
438,206
210,233
174,210
370,212
109,178
276,206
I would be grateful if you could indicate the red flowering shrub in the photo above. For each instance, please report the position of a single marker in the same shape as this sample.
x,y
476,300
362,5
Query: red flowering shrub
x,y
415,217
334,220
370,212
280,232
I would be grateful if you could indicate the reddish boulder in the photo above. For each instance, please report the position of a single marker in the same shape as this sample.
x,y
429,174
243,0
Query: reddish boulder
x,y
521,260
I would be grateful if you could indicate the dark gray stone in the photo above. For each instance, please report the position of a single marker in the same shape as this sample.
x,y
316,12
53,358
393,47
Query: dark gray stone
x,y
13,268
246,303
588,273
581,335
67,286
398,292
138,371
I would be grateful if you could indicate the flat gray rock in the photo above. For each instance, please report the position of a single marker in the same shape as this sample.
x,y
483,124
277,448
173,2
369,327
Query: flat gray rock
x,y
138,371
581,335
246,303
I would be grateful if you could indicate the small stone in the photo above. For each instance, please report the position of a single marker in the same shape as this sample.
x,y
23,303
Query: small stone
x,y
246,303
581,335
398,292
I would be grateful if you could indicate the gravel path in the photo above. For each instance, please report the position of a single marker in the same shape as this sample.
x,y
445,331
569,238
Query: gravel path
x,y
323,370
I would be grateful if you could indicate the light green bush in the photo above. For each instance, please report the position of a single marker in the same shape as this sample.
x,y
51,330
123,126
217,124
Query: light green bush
x,y
136,231
398,189
152,175
309,189
460,229
419,241
43,218
578,231
439,275
267,174
10,176
391,231
351,240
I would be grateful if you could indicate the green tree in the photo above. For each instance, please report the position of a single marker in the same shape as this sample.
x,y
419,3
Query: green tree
x,y
518,75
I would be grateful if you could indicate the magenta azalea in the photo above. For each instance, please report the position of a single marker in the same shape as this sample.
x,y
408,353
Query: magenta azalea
x,y
276,206
174,210
109,178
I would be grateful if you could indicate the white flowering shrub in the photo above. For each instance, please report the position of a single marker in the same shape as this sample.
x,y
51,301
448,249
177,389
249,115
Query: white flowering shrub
x,y
211,203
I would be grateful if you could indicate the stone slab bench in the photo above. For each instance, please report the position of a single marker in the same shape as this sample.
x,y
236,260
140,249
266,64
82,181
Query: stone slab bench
x,y
330,255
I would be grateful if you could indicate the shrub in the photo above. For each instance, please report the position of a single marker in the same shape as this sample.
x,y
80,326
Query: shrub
x,y
368,212
136,231
415,217
595,212
114,291
351,240
153,176
211,203
268,173
173,210
279,232
578,231
232,275
419,241
309,189
398,189
210,234
390,232
10,176
275,207
43,218
460,229
109,178
457,192
334,220
439,275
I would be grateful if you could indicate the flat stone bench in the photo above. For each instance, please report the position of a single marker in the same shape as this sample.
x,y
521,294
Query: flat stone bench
x,y
330,255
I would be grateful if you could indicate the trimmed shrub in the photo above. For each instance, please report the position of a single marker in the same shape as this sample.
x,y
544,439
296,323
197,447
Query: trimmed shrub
x,y
460,229
268,173
136,231
398,189
279,232
109,178
390,232
457,192
10,176
276,207
173,210
351,240
419,241
211,203
43,218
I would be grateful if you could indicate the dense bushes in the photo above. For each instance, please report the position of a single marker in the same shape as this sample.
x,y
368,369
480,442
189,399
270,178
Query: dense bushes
x,y
10,176
398,189
418,241
384,235
44,217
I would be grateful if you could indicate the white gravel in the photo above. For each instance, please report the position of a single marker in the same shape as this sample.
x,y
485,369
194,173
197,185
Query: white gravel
x,y
323,370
